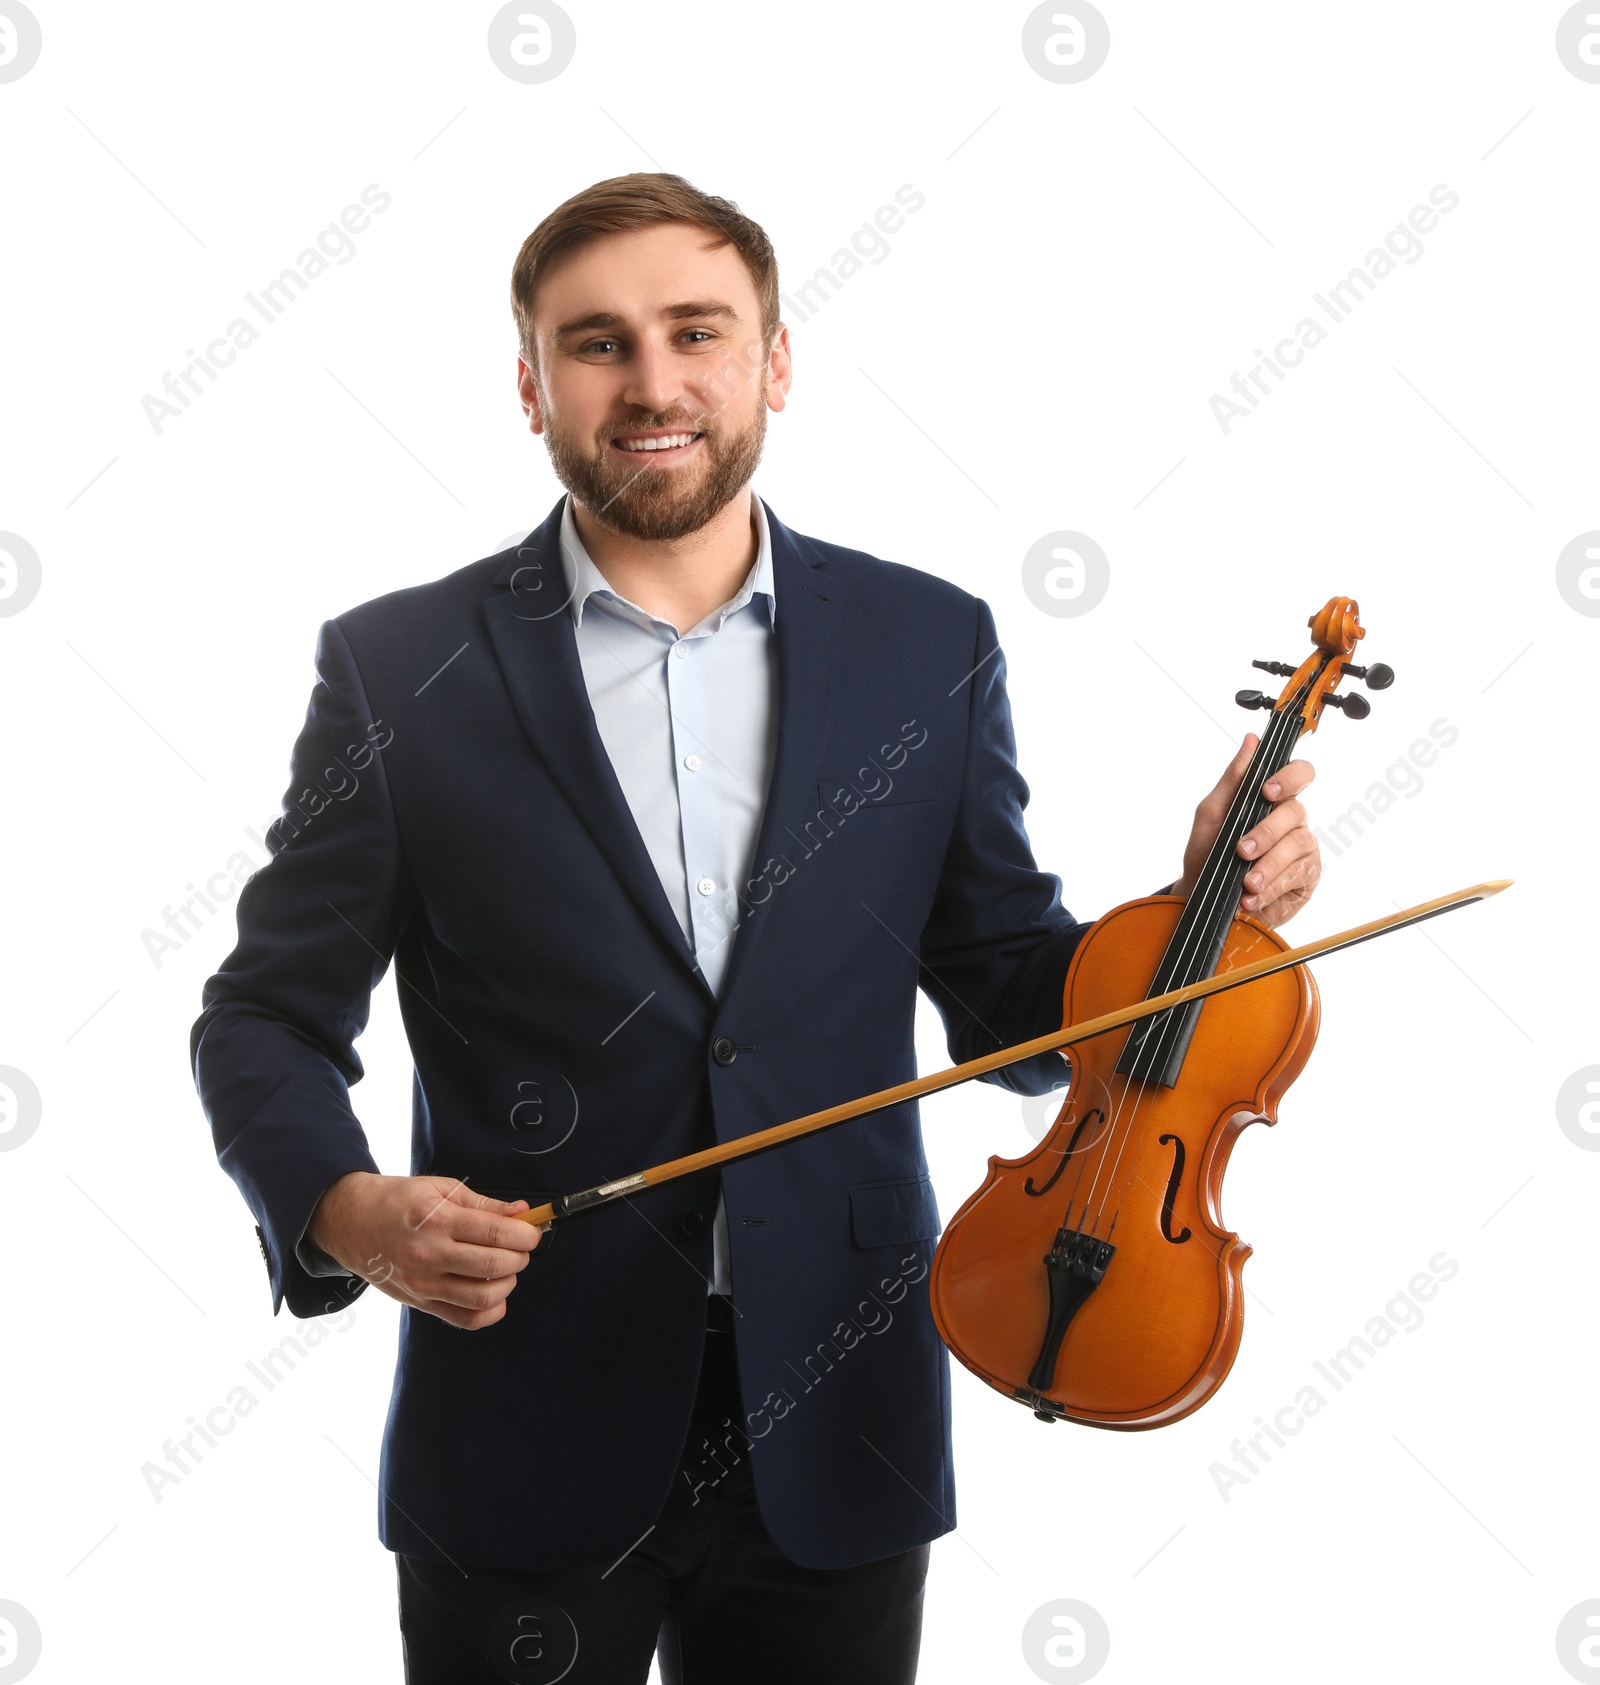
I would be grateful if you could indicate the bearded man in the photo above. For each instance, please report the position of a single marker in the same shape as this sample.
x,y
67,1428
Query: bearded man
x,y
663,817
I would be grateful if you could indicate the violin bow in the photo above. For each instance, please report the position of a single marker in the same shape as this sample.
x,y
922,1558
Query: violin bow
x,y
746,1146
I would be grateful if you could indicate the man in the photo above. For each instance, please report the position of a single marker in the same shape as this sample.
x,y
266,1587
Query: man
x,y
663,817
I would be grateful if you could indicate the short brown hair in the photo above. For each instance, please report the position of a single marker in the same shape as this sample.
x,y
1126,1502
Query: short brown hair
x,y
640,200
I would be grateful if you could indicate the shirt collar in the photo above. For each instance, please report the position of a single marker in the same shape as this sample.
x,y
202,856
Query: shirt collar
x,y
585,580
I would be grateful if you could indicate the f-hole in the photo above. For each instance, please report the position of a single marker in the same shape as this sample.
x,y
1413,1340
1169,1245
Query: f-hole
x,y
1173,1182
1055,1175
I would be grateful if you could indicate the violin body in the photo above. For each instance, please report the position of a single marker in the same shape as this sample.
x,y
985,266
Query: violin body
x,y
1131,1168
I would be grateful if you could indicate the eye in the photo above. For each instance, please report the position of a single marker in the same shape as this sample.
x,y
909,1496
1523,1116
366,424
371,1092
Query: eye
x,y
601,347
703,334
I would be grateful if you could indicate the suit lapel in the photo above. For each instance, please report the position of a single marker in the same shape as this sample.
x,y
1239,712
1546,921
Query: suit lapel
x,y
531,632
810,629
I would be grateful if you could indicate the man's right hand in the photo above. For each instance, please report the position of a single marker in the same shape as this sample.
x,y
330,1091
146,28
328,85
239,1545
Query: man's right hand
x,y
428,1241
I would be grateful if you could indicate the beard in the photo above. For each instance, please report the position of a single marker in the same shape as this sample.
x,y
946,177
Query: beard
x,y
658,503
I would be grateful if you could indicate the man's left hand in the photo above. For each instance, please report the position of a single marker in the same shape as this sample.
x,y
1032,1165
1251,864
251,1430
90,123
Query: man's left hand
x,y
1285,859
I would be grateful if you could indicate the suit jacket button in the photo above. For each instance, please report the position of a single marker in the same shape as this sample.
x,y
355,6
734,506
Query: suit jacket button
x,y
724,1050
693,1222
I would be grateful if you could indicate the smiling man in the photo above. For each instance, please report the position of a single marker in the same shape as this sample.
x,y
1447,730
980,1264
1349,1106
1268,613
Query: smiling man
x,y
663,818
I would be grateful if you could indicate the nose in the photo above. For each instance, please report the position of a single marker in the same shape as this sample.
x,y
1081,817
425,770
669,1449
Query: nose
x,y
654,383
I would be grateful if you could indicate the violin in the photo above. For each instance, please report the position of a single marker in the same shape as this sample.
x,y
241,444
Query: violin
x,y
1094,1280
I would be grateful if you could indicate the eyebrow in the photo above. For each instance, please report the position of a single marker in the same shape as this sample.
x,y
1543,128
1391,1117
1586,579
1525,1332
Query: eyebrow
x,y
693,307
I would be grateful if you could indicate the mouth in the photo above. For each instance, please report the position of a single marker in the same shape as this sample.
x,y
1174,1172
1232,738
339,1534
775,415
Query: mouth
x,y
657,446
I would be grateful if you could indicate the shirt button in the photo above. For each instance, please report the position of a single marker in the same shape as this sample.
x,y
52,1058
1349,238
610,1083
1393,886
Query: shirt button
x,y
692,1222
706,886
724,1050
680,650
692,762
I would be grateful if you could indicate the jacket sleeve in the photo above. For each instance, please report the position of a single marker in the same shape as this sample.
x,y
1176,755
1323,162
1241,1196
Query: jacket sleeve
x,y
998,941
273,1049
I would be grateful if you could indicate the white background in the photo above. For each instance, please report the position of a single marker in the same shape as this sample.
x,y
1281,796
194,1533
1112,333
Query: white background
x,y
1036,352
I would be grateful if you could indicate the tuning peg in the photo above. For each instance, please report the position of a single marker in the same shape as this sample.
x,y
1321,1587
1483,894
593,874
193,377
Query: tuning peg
x,y
1355,705
1281,669
1252,698
1377,676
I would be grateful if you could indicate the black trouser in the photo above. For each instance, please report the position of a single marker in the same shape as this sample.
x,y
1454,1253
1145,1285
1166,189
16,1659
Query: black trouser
x,y
706,1590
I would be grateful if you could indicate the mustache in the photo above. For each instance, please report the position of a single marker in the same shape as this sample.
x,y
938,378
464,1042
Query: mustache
x,y
674,419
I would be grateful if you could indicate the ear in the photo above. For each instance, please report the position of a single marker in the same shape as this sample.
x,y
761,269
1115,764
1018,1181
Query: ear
x,y
528,392
780,370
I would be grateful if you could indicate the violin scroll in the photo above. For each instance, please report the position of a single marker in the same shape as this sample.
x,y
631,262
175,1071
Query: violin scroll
x,y
1336,629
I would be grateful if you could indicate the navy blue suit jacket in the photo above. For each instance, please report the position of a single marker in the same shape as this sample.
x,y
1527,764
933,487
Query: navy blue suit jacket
x,y
452,809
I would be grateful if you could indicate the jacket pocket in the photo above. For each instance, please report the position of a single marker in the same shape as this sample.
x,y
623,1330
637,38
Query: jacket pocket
x,y
860,792
892,1213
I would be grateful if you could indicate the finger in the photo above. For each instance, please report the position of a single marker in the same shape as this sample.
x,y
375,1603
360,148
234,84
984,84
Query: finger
x,y
1277,908
1217,800
1289,781
1226,787
465,1293
435,1199
458,1316
1296,863
458,1193
1287,816
481,1263
1290,861
1292,847
489,1228
465,1214
1283,909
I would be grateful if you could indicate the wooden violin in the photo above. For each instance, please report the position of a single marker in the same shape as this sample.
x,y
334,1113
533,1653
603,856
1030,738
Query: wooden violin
x,y
1094,1279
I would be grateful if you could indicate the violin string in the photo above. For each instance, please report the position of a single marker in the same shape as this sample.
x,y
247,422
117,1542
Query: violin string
x,y
1083,1162
1217,900
1220,913
1224,861
1199,933
1213,918
1207,890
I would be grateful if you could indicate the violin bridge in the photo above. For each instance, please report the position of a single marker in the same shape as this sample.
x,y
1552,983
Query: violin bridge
x,y
1076,1265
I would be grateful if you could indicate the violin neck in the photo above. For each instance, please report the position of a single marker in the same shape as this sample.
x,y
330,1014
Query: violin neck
x,y
1155,1049
1215,897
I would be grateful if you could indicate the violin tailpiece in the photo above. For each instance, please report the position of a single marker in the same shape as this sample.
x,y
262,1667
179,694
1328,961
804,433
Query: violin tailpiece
x,y
1075,1266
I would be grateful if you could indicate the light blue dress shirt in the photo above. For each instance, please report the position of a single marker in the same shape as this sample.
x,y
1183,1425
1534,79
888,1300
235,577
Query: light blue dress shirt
x,y
690,721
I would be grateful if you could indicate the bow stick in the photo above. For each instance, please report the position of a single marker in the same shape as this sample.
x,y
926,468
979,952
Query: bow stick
x,y
570,1205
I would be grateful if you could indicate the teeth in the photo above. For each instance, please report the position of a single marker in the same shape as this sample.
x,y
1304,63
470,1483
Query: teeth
x,y
668,442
